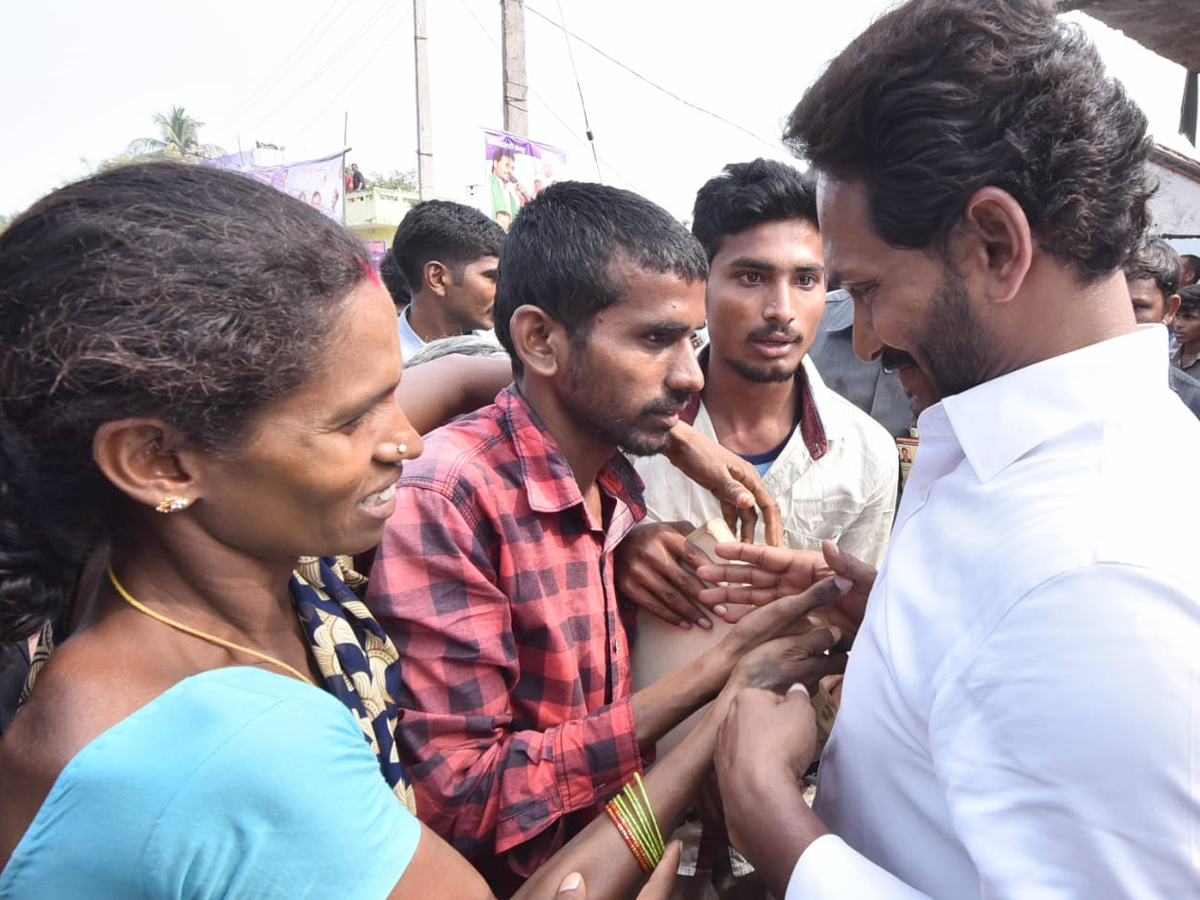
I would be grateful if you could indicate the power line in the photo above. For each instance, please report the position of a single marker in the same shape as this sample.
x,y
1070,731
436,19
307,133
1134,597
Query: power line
x,y
658,87
354,39
550,109
353,78
288,62
582,104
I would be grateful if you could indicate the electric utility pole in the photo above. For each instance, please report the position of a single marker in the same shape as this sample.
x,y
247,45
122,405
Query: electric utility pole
x,y
424,110
512,43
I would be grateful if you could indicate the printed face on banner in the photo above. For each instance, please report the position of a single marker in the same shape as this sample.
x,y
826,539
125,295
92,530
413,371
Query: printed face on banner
x,y
518,170
317,182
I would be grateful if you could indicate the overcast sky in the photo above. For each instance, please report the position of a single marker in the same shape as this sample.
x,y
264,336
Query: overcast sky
x,y
80,79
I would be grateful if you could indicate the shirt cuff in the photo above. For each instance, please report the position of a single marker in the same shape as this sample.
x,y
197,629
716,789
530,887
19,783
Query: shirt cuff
x,y
829,869
597,756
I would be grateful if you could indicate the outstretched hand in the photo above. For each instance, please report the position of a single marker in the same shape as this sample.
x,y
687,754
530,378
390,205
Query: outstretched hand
x,y
789,615
654,566
732,480
772,573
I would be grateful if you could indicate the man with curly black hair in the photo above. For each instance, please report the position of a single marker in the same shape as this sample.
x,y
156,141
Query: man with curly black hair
x,y
1019,714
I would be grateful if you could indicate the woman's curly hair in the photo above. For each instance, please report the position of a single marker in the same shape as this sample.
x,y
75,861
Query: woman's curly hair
x,y
168,291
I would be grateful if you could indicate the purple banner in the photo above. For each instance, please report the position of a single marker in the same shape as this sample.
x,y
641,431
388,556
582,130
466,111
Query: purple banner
x,y
517,170
317,182
378,250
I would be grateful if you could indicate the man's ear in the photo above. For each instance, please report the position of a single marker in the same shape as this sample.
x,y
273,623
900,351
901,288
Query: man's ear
x,y
999,242
437,277
142,458
1170,307
541,342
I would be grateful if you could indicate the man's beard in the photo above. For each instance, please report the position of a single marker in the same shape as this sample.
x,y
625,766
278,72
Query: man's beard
x,y
766,372
582,382
630,441
953,342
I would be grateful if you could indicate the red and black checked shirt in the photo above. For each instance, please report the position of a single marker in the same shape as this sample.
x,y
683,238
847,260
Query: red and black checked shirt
x,y
497,586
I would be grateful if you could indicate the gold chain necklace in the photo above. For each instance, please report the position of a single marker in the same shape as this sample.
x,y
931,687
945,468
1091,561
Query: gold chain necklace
x,y
203,635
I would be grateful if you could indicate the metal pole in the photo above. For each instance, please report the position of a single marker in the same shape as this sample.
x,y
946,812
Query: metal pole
x,y
424,110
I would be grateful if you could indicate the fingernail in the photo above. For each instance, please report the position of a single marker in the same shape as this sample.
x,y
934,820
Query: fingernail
x,y
798,688
720,609
685,624
571,882
704,623
842,583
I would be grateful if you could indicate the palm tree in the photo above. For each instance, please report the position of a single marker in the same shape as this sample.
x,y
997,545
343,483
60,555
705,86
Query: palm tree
x,y
180,139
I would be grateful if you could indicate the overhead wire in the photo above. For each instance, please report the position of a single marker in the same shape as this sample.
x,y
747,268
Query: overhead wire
x,y
653,84
353,78
288,63
579,86
549,108
366,27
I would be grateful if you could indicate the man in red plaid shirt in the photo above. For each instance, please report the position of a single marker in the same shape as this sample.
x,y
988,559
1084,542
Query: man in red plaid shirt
x,y
495,573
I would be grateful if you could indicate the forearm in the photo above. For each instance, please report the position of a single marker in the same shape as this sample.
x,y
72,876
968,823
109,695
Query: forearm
x,y
441,389
772,824
600,853
734,482
663,704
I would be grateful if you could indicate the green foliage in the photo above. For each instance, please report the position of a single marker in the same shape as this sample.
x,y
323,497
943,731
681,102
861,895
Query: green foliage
x,y
395,180
109,162
179,138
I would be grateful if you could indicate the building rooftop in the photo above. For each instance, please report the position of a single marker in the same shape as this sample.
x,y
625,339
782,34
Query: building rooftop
x,y
1164,26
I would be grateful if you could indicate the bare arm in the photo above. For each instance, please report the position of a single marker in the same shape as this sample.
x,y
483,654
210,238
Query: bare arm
x,y
598,852
662,705
766,744
438,870
435,392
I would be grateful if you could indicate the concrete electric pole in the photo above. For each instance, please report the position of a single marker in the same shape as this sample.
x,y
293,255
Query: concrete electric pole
x,y
512,43
424,111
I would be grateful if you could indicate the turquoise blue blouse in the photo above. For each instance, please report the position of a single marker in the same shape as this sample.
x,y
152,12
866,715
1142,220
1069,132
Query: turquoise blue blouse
x,y
237,783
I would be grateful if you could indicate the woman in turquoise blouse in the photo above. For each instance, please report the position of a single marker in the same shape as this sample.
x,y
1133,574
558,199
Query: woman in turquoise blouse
x,y
196,389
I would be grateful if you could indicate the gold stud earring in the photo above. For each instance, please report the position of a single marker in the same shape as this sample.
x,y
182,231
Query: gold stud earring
x,y
172,503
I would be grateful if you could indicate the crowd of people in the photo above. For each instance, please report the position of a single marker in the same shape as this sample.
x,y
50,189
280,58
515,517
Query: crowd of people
x,y
316,582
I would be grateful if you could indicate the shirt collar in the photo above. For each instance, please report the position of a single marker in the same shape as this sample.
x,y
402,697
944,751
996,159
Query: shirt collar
x,y
999,421
408,337
812,423
549,482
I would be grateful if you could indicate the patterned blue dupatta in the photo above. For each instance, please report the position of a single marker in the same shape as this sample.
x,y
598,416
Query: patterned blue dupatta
x,y
357,659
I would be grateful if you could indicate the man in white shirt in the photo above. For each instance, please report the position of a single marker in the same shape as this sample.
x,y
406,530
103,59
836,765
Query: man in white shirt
x,y
832,469
1020,716
449,254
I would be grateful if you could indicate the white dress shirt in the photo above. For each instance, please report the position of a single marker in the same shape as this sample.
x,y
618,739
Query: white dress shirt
x,y
1021,714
